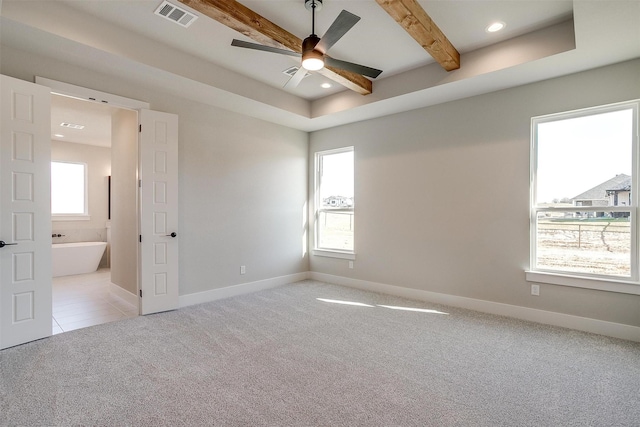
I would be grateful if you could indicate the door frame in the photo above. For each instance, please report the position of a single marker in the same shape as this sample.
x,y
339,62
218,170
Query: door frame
x,y
86,94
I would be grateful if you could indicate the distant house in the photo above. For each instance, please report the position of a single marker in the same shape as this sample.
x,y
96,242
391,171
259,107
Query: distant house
x,y
614,192
338,202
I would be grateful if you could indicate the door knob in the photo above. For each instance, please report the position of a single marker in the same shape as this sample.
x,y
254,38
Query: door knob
x,y
173,234
3,244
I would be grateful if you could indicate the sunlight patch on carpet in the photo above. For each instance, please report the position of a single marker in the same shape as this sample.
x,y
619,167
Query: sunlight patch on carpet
x,y
335,301
421,310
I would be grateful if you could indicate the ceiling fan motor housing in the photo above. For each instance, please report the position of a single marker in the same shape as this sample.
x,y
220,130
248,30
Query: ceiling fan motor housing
x,y
310,43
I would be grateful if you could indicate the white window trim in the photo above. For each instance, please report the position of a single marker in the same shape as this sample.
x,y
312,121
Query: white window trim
x,y
609,285
63,217
328,252
81,216
334,253
630,285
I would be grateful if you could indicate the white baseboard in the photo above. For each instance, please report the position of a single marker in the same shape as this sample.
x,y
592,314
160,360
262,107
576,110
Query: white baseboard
x,y
241,289
123,294
616,330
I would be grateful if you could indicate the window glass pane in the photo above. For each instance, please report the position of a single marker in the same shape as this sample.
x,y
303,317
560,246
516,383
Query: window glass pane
x,y
336,202
584,242
336,188
335,230
67,188
585,160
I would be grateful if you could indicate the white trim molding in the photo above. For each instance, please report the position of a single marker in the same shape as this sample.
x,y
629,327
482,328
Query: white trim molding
x,y
123,294
241,289
601,327
74,91
334,254
620,286
62,217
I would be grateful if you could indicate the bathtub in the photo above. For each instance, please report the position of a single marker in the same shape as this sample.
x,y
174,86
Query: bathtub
x,y
76,258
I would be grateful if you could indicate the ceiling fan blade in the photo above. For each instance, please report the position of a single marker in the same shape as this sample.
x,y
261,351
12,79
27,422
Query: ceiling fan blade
x,y
296,78
338,28
255,46
350,66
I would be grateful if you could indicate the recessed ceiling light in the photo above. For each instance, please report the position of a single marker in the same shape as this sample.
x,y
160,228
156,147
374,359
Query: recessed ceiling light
x,y
71,125
496,26
325,85
58,135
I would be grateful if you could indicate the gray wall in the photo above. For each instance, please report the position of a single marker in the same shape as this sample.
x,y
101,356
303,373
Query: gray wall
x,y
124,200
243,193
442,195
242,182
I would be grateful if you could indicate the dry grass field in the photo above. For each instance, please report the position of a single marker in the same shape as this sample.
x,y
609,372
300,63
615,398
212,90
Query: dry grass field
x,y
596,246
336,230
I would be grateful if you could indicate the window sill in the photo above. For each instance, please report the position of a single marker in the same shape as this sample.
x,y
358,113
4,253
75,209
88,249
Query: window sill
x,y
70,217
619,286
334,254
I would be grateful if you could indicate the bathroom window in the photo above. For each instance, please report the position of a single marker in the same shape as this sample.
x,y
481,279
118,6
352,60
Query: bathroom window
x,y
69,199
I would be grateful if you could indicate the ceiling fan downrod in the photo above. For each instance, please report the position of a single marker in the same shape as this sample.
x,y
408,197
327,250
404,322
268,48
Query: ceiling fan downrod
x,y
313,5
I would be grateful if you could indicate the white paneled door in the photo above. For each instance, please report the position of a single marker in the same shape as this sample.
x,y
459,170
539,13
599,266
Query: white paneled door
x,y
158,211
25,212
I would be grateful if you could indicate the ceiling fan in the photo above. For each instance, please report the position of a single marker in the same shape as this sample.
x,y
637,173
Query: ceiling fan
x,y
314,48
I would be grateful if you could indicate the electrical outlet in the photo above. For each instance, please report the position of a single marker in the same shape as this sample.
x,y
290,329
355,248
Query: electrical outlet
x,y
535,290
350,264
243,269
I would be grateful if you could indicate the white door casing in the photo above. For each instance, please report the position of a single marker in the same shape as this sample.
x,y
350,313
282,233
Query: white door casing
x,y
25,212
158,211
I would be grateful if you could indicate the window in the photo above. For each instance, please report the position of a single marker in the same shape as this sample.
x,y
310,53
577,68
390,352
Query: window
x,y
68,190
334,203
584,197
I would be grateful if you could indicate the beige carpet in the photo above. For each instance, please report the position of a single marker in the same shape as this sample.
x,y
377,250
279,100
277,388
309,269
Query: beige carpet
x,y
305,355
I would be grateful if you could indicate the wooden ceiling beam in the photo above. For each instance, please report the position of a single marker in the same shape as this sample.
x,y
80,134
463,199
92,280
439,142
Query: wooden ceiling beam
x,y
244,20
413,18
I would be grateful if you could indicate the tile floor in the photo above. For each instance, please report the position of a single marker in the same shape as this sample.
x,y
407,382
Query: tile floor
x,y
84,300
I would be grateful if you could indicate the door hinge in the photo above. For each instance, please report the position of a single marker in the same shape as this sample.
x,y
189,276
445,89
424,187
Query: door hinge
x,y
140,183
140,293
140,237
140,128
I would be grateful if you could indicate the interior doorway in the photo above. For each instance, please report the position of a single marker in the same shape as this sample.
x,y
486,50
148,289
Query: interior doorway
x,y
25,208
94,213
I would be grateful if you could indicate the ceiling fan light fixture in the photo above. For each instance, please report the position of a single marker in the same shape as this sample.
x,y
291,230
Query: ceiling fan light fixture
x,y
312,60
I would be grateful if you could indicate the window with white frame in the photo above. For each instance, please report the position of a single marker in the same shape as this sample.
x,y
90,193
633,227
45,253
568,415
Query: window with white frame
x,y
68,190
334,201
584,194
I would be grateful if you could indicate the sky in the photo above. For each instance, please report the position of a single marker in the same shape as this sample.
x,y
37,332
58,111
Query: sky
x,y
67,188
337,178
575,155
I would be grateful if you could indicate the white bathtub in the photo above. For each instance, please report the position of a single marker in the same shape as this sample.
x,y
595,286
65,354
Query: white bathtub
x,y
76,258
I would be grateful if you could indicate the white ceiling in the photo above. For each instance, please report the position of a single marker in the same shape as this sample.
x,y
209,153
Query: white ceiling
x,y
543,39
94,117
376,40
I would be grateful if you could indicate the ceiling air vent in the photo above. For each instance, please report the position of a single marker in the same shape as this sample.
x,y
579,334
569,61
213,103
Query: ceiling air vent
x,y
175,14
291,71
